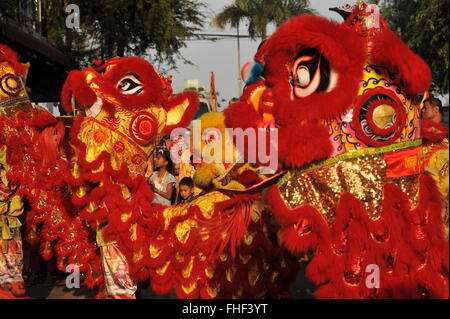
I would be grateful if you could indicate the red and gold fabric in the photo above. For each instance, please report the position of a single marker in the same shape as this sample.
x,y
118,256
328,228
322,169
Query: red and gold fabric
x,y
346,101
436,164
202,261
11,264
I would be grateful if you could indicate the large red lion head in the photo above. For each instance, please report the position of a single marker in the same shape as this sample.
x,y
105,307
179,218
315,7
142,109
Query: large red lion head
x,y
332,88
129,88
131,82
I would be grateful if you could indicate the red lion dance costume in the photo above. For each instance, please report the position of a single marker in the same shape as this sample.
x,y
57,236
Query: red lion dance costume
x,y
91,204
344,98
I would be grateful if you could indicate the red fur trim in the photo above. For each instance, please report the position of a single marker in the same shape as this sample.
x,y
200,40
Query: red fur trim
x,y
389,51
260,55
183,295
249,178
232,218
162,289
345,52
234,118
247,147
11,57
197,274
302,144
188,114
433,132
318,268
278,207
296,244
43,119
414,238
66,95
45,183
152,84
204,294
107,82
76,85
293,240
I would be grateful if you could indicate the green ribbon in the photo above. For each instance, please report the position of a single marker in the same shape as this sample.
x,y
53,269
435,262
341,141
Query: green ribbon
x,y
349,155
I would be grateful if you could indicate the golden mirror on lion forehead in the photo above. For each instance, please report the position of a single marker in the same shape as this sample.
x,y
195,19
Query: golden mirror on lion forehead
x,y
384,116
13,96
10,84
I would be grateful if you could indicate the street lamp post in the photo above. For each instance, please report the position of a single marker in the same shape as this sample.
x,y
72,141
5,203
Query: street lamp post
x,y
239,62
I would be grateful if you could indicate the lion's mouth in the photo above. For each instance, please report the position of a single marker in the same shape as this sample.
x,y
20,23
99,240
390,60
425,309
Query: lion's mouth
x,y
95,108
87,111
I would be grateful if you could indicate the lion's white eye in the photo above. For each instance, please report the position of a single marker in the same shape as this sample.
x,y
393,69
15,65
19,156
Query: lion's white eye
x,y
130,84
311,73
306,81
303,76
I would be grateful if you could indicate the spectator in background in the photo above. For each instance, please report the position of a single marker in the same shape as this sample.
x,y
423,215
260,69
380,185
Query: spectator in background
x,y
436,156
167,142
162,181
186,190
432,110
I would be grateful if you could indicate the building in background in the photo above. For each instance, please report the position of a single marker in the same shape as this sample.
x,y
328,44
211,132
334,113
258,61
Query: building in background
x,y
194,85
20,30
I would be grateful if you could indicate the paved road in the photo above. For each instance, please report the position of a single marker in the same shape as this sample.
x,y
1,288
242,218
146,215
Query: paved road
x,y
58,292
41,291
301,289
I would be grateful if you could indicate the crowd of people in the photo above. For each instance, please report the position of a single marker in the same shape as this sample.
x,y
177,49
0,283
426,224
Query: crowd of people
x,y
169,186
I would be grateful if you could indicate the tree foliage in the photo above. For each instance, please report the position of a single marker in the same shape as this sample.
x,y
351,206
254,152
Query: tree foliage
x,y
423,25
112,28
259,14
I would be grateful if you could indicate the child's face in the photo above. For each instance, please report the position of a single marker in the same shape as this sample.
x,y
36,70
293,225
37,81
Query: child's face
x,y
186,191
160,161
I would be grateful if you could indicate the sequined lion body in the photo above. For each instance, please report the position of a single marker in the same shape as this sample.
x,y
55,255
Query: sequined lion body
x,y
345,99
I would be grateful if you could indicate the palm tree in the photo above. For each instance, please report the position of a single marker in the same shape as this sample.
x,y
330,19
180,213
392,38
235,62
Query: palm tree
x,y
260,13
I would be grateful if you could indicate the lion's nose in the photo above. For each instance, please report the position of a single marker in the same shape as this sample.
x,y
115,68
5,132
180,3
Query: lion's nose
x,y
98,65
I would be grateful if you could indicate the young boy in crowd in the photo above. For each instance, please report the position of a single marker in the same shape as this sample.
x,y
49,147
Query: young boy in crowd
x,y
186,190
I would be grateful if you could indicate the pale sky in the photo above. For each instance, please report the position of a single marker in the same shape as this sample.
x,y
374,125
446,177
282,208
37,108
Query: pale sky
x,y
220,57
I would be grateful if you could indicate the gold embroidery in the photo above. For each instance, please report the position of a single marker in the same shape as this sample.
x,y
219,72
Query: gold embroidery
x,y
213,292
162,270
253,275
137,256
209,272
186,272
189,289
155,252
248,238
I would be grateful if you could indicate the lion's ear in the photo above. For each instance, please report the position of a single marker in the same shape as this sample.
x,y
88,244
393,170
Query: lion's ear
x,y
180,110
76,86
412,72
